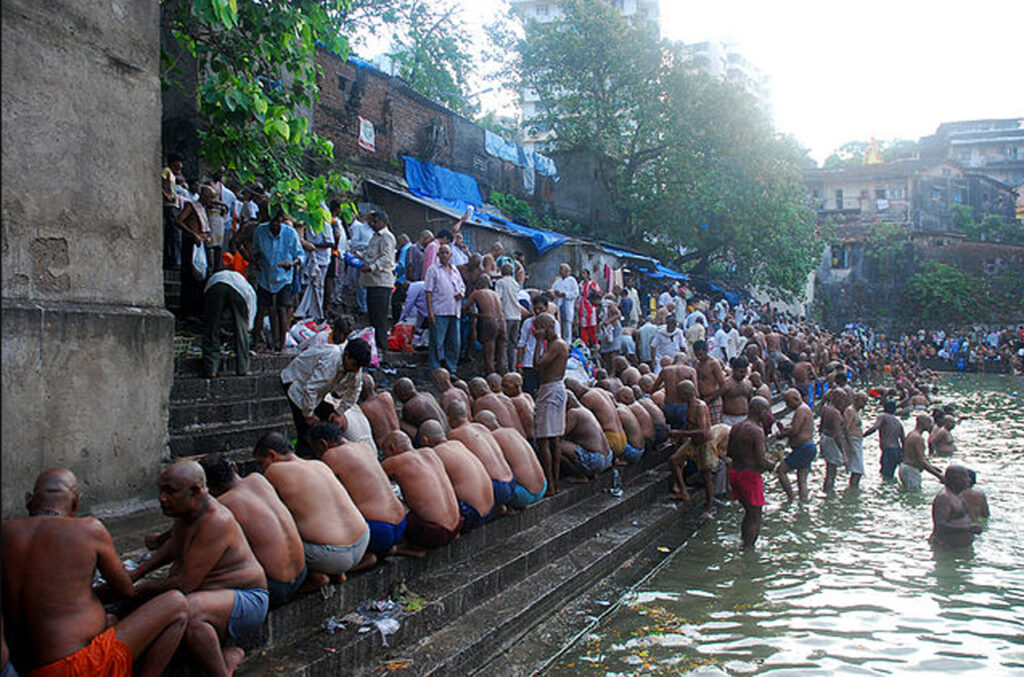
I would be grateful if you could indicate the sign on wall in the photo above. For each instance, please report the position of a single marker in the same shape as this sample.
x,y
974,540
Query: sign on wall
x,y
367,136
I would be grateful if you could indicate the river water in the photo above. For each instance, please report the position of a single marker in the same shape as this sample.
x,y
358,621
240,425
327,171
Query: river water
x,y
845,585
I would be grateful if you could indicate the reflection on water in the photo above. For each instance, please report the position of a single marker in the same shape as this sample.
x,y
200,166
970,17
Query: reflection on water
x,y
844,585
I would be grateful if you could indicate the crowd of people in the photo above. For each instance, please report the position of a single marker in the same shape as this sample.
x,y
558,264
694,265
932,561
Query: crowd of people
x,y
575,381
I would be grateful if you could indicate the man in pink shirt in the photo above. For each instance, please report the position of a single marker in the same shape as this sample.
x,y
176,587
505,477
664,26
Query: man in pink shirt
x,y
444,288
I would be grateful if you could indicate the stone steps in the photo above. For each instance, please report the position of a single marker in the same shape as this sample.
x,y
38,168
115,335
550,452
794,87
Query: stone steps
x,y
227,437
456,579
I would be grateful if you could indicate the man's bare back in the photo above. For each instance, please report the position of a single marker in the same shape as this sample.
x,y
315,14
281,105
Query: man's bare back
x,y
357,467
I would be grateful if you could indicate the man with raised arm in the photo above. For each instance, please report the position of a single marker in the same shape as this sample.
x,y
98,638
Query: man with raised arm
x,y
268,526
747,452
55,620
334,533
549,408
800,435
890,439
356,466
468,475
434,520
212,563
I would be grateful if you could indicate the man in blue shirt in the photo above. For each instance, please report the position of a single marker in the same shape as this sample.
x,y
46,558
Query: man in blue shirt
x,y
276,251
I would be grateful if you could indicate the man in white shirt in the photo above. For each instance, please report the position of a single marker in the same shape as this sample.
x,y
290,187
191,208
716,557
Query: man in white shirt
x,y
695,316
668,341
227,289
718,344
513,313
565,290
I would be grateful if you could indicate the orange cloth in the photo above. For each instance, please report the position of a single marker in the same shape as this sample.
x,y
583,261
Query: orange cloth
x,y
105,656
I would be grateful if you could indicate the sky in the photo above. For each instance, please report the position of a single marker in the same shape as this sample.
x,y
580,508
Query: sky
x,y
847,71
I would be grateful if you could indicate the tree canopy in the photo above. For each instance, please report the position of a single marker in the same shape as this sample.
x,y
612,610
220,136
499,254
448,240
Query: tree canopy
x,y
691,165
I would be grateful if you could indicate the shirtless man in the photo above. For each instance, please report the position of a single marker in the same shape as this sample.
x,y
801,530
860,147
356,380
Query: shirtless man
x,y
211,563
697,446
833,438
602,405
800,435
752,352
356,466
530,482
890,439
417,408
952,526
54,617
268,526
549,419
495,383
636,442
479,440
433,520
469,477
442,380
914,459
379,409
977,502
512,387
626,399
334,533
631,376
485,400
710,380
747,453
656,414
584,445
940,442
736,393
855,438
761,388
775,356
484,306
669,378
804,379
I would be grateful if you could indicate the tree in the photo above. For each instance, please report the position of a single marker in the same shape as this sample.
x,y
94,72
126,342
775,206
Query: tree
x,y
692,167
256,70
941,290
856,153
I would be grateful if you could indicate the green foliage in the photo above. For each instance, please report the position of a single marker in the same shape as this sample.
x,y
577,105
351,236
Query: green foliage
x,y
256,69
940,290
991,228
521,212
856,153
492,122
691,166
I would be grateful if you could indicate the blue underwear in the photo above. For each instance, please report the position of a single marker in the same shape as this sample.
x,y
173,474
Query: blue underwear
x,y
522,498
591,462
471,516
660,433
503,491
384,536
249,611
675,415
890,461
631,454
801,456
281,592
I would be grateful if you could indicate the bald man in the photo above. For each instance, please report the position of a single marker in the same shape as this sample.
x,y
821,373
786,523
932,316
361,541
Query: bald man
x,y
914,458
334,533
479,440
747,451
800,436
468,475
669,378
212,563
698,445
268,526
434,520
484,399
378,408
636,442
601,403
355,464
54,617
530,482
417,408
512,387
584,445
952,524
442,381
626,398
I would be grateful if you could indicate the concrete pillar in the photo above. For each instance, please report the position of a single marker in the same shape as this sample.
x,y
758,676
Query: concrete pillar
x,y
87,345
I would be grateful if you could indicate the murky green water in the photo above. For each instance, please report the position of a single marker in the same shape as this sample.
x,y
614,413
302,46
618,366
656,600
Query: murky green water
x,y
845,585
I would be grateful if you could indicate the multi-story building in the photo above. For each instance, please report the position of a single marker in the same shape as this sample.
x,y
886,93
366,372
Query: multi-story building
x,y
723,61
995,147
531,107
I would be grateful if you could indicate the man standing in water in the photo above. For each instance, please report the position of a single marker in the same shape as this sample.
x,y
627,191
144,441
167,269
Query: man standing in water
x,y
799,433
549,409
952,525
914,460
747,447
890,439
854,428
833,439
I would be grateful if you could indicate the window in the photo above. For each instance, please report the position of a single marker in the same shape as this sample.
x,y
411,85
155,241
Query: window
x,y
880,193
840,256
958,196
839,198
342,83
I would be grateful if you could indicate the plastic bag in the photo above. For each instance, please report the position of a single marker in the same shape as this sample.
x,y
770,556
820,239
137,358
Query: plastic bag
x,y
199,261
401,338
369,336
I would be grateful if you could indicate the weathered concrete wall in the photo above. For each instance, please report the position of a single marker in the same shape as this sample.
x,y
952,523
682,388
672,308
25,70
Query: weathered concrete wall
x,y
87,348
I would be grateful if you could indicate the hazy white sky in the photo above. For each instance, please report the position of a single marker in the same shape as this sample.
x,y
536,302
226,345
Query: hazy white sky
x,y
842,71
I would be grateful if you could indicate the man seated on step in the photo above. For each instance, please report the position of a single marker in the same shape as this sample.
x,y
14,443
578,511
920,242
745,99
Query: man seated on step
x,y
54,617
212,563
669,379
355,427
442,381
635,440
417,408
479,440
484,399
356,465
334,533
268,526
512,387
495,383
625,398
468,475
530,483
379,409
656,414
601,403
584,447
434,520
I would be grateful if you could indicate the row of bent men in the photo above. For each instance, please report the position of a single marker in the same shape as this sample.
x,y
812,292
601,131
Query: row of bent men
x,y
241,545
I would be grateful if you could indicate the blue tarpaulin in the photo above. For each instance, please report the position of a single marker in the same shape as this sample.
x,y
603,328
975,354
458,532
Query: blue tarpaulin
x,y
661,271
453,188
509,151
732,297
622,253
543,240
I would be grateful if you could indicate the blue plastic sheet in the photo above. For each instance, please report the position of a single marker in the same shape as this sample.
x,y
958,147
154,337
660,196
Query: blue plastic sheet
x,y
662,271
426,179
622,253
509,151
543,240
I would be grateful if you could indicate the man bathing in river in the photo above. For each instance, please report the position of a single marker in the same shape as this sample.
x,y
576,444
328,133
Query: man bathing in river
x,y
890,439
832,436
914,459
940,442
697,446
799,433
854,428
952,526
748,454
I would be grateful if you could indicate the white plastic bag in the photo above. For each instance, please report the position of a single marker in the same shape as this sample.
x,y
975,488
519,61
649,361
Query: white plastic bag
x,y
199,261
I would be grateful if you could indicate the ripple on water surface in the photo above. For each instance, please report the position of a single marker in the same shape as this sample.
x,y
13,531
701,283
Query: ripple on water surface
x,y
846,585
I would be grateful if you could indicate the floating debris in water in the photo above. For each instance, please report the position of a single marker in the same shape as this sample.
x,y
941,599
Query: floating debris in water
x,y
662,548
